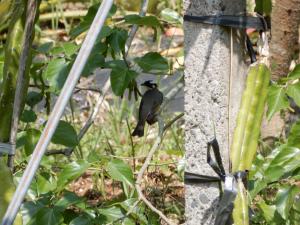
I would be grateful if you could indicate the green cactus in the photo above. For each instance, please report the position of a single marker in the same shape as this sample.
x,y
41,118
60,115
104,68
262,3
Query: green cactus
x,y
246,134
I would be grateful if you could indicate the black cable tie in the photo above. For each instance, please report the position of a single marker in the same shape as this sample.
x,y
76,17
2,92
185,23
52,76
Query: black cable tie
x,y
227,198
238,22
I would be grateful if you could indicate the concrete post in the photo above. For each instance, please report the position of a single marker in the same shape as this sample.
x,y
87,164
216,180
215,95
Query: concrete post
x,y
214,81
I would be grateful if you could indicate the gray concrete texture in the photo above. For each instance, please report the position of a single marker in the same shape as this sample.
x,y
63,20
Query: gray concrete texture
x,y
212,97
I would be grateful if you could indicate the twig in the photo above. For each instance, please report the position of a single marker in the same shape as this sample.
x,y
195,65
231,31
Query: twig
x,y
88,123
132,145
32,7
140,175
67,14
143,11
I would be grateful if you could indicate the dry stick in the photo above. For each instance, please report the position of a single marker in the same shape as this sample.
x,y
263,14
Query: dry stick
x,y
172,93
135,27
87,124
154,148
28,32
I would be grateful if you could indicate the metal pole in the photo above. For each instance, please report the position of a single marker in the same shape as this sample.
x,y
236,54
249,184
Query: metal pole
x,y
56,113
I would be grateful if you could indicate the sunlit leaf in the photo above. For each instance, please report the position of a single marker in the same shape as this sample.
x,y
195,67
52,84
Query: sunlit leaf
x,y
268,210
277,100
45,183
31,138
171,16
112,213
70,172
120,171
56,73
294,92
285,199
295,74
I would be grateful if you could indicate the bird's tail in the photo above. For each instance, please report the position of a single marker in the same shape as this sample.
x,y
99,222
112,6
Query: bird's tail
x,y
139,130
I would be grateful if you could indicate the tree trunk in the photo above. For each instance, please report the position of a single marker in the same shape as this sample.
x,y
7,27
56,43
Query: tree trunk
x,y
284,44
284,47
213,92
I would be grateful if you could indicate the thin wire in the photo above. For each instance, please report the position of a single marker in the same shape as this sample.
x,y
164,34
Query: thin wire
x,y
229,95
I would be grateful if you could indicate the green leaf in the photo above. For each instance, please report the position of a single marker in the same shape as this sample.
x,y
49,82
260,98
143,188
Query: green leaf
x,y
68,199
285,199
46,216
29,209
33,98
294,135
105,32
171,16
95,60
82,220
153,62
150,21
1,71
120,171
294,92
295,74
277,100
45,183
263,6
268,210
287,160
56,73
116,64
88,19
138,212
117,40
70,172
112,213
28,116
282,161
32,137
120,80
45,48
65,135
69,48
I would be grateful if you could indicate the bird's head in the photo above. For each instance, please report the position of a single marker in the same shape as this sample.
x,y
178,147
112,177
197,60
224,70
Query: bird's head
x,y
149,84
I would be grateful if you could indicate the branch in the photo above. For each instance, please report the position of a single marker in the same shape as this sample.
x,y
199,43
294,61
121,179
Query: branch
x,y
88,123
32,7
140,175
144,7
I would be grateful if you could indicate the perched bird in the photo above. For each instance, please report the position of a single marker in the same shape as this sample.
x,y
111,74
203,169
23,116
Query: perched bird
x,y
149,107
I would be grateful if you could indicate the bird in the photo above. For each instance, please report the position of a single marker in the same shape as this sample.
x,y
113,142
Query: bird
x,y
149,107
